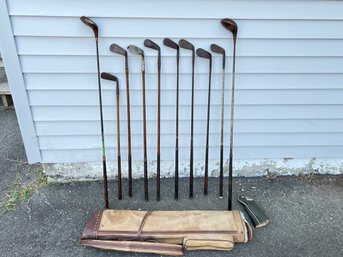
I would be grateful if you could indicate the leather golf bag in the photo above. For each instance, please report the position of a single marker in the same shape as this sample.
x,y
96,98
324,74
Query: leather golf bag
x,y
165,232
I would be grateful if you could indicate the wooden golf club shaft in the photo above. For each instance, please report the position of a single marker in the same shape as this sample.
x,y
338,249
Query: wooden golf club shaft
x,y
120,195
158,179
191,168
221,171
176,195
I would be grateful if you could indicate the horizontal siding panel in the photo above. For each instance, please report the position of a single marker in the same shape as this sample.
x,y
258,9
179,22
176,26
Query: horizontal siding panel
x,y
118,27
243,97
240,153
167,9
68,128
247,47
66,82
87,64
250,112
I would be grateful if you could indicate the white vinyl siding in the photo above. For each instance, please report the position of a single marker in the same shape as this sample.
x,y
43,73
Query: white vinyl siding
x,y
289,98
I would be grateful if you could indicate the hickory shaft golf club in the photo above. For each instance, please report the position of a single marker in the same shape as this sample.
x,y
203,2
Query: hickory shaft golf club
x,y
233,28
87,21
138,51
110,77
219,50
118,50
204,54
168,42
150,44
187,45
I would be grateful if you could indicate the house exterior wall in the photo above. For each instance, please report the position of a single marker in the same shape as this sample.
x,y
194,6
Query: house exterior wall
x,y
289,81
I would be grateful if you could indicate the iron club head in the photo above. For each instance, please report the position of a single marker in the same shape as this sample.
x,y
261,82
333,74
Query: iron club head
x,y
186,45
135,50
87,21
217,49
118,50
108,76
170,43
230,25
203,53
150,44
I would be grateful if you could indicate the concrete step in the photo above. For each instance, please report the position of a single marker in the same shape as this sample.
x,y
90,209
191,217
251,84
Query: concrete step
x,y
5,94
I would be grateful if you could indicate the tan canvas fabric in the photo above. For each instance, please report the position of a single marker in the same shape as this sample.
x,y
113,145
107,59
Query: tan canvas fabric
x,y
165,232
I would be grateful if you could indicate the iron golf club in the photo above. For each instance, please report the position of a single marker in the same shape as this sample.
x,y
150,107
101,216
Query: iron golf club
x,y
204,54
168,42
88,22
110,77
233,28
187,45
138,51
219,50
150,44
119,50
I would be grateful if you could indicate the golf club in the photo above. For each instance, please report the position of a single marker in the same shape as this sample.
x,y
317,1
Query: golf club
x,y
219,50
118,50
204,54
187,45
87,21
138,51
110,77
233,28
168,42
150,44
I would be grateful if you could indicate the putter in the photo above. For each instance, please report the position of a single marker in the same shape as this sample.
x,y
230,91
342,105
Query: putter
x,y
87,21
219,50
110,77
138,51
118,50
187,45
204,54
233,28
168,42
150,44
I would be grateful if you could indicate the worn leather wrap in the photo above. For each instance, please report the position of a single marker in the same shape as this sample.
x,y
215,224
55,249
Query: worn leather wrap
x,y
165,232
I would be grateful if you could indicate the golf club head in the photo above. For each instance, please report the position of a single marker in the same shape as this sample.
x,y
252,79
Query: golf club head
x,y
203,53
219,50
87,21
230,25
170,43
150,44
135,50
108,76
186,45
118,50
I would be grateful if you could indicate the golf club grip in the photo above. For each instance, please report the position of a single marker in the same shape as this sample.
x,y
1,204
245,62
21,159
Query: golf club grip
x,y
221,172
104,170
191,172
120,194
146,190
158,179
176,179
130,174
206,172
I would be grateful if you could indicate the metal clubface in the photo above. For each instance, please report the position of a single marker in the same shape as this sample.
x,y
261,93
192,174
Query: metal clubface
x,y
233,28
219,50
119,50
138,51
168,42
150,44
87,21
107,76
204,54
187,45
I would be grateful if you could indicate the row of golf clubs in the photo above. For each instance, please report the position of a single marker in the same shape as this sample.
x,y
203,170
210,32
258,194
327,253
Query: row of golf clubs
x,y
229,25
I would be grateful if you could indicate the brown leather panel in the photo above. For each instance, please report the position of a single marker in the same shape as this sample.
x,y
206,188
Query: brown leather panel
x,y
91,229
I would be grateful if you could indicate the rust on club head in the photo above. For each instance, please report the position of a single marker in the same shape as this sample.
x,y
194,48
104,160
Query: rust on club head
x,y
230,25
170,43
203,53
135,50
217,49
118,50
87,21
150,44
186,44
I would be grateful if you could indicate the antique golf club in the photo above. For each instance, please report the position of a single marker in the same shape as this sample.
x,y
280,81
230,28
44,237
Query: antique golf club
x,y
87,21
187,45
233,28
219,50
204,54
138,51
150,44
107,76
119,50
168,42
